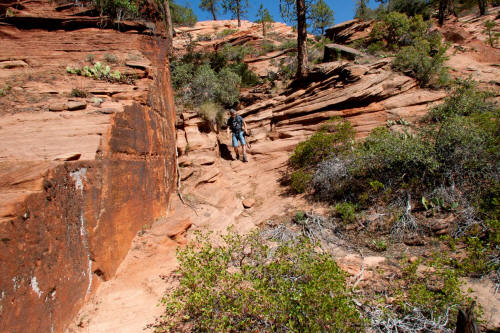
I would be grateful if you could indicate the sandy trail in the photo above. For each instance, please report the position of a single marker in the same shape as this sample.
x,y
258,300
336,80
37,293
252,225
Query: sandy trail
x,y
129,301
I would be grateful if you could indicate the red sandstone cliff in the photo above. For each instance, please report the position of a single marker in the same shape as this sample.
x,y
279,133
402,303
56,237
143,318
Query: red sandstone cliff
x,y
75,186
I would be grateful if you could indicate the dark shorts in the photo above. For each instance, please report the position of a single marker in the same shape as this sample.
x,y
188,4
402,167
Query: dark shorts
x,y
238,137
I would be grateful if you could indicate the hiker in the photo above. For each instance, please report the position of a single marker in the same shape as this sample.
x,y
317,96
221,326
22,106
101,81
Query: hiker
x,y
238,127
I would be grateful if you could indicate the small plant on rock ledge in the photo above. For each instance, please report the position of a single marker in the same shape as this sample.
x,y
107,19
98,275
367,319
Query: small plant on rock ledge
x,y
100,72
75,92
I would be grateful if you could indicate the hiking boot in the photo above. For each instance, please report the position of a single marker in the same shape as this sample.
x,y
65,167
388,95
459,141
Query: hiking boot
x,y
237,157
245,158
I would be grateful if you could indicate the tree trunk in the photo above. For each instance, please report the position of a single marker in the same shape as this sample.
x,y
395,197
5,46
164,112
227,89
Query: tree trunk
x,y
263,28
170,28
482,6
301,40
238,12
466,322
212,10
446,8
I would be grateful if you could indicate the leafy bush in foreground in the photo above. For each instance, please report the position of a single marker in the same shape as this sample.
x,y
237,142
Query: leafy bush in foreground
x,y
247,286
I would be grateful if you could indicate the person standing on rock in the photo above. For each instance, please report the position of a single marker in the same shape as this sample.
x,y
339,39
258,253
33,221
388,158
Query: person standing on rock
x,y
238,127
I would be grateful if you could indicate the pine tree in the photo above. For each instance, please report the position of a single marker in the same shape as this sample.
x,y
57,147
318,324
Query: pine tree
x,y
264,17
362,10
211,6
237,8
321,16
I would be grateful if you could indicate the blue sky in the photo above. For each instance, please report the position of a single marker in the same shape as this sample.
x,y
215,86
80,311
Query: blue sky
x,y
343,9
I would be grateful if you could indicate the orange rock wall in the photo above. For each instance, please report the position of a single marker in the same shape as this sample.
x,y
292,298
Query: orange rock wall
x,y
60,242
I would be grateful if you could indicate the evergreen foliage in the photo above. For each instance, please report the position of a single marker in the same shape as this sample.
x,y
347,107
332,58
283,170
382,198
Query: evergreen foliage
x,y
321,16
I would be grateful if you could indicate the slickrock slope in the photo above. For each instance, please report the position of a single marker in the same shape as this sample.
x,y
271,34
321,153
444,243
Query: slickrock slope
x,y
75,186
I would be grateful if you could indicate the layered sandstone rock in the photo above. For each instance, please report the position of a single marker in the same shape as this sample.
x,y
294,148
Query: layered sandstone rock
x,y
76,186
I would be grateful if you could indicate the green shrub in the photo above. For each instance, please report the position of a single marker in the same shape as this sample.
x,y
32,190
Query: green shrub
x,y
228,88
5,90
411,7
90,58
75,92
244,286
300,180
181,74
204,85
100,72
492,35
117,8
397,30
334,138
110,58
379,245
248,78
389,156
346,211
226,32
424,61
267,47
288,44
465,99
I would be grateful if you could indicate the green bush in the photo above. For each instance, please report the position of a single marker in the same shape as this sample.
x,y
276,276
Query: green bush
x,y
117,8
5,90
397,30
226,32
75,92
110,58
334,138
465,99
204,85
435,290
411,7
246,286
424,61
248,78
346,211
181,74
100,72
389,156
300,180
228,88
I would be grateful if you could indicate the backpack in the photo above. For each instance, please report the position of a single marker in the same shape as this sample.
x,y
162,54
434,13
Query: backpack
x,y
236,124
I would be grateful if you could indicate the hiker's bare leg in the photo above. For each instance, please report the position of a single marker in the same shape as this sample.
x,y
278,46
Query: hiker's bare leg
x,y
244,149
236,151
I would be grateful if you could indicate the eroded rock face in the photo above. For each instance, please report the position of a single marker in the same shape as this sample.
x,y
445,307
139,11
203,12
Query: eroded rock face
x,y
76,186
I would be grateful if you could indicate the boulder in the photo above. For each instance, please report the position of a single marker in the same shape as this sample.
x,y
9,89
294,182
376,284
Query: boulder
x,y
333,51
77,105
57,107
